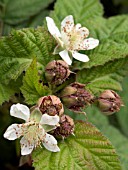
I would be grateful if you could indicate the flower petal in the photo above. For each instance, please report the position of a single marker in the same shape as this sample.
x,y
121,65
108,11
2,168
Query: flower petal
x,y
65,56
49,120
78,26
84,32
52,27
26,147
13,132
90,43
80,57
20,111
50,143
67,24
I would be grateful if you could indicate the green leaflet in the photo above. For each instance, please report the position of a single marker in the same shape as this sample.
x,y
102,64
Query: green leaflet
x,y
16,11
104,77
17,51
32,89
87,150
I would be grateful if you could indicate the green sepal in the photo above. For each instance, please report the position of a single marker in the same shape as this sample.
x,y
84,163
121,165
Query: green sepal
x,y
36,115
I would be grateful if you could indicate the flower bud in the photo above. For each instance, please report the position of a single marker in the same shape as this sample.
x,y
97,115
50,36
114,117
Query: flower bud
x,y
109,102
66,127
56,72
75,96
50,105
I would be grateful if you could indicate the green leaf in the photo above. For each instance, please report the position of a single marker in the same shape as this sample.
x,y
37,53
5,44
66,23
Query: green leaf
x,y
101,122
122,115
119,141
117,24
19,10
112,32
82,10
38,19
6,91
87,150
32,89
17,51
113,37
104,77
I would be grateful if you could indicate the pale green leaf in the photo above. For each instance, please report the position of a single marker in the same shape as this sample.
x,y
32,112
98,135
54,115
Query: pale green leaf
x,y
32,88
87,150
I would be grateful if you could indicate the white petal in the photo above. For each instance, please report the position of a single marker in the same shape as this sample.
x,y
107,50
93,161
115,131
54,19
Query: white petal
x,y
49,120
90,43
65,56
52,27
20,111
77,26
84,32
67,24
50,143
13,132
26,147
80,57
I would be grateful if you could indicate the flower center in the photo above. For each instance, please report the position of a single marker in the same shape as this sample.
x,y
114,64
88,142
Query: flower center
x,y
33,133
74,39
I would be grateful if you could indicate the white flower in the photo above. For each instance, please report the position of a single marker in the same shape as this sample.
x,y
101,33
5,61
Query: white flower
x,y
71,39
34,130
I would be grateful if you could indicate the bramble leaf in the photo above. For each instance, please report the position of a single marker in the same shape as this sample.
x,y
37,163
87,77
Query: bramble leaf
x,y
88,149
104,77
112,33
82,10
17,51
119,141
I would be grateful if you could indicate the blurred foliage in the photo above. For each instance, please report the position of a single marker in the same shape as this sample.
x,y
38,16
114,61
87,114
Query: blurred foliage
x,y
15,14
122,116
22,13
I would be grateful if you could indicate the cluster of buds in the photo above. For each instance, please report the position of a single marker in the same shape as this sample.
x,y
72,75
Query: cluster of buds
x,y
109,102
47,115
76,97
57,71
52,106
